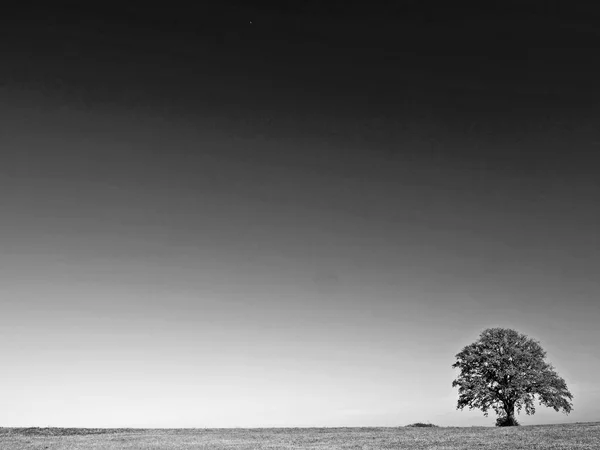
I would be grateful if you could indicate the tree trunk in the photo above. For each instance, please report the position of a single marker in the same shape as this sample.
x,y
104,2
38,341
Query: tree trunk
x,y
510,415
509,420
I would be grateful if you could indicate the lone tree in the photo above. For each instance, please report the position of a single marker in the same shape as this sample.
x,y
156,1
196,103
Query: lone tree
x,y
504,370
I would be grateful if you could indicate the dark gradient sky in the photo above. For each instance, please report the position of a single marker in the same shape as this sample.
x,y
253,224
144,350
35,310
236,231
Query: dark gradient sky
x,y
291,215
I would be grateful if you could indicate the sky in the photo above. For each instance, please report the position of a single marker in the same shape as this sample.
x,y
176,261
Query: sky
x,y
253,216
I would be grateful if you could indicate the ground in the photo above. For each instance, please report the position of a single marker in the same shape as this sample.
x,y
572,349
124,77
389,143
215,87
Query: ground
x,y
551,437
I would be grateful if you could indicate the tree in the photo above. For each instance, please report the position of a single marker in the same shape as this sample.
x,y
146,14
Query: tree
x,y
504,370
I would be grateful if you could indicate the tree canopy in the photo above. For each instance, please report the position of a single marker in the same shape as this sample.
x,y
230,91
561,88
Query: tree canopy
x,y
505,370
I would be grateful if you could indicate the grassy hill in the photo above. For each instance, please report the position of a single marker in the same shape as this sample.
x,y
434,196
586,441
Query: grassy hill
x,y
568,436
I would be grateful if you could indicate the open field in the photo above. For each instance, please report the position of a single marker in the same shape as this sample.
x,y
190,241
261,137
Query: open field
x,y
571,436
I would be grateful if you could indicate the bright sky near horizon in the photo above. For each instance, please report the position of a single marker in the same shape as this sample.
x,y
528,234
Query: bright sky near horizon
x,y
198,267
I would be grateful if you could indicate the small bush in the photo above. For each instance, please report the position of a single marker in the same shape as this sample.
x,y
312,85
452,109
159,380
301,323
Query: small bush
x,y
422,425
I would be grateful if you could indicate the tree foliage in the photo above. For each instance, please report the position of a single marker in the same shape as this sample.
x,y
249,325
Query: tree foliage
x,y
505,370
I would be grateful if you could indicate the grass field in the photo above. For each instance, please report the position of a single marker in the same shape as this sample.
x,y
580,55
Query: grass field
x,y
571,436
